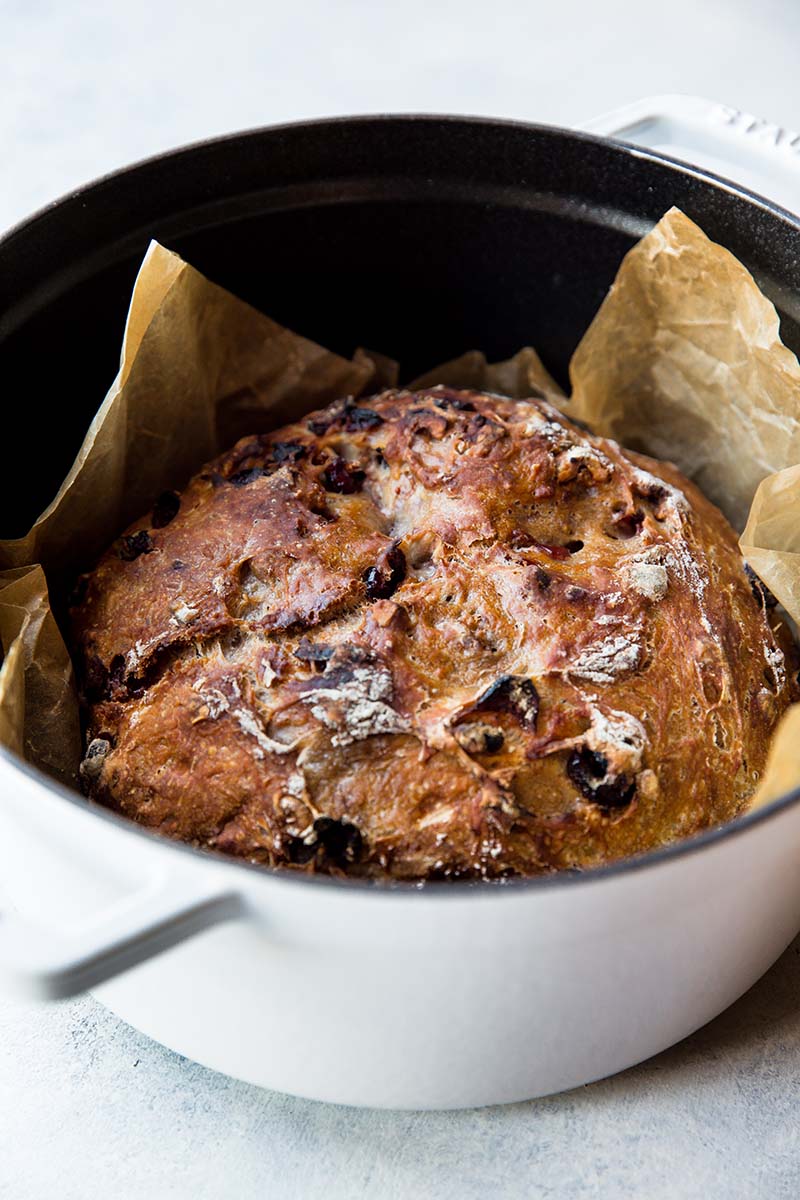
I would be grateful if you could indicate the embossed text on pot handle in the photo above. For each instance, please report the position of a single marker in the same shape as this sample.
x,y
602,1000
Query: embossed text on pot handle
x,y
759,154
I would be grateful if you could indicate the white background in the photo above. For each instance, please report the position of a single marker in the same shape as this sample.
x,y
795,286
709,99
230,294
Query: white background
x,y
88,85
89,1108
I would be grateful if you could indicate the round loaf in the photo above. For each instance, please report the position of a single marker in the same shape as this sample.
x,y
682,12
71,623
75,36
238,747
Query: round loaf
x,y
428,635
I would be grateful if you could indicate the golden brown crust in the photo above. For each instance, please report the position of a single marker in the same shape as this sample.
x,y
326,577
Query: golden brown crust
x,y
439,634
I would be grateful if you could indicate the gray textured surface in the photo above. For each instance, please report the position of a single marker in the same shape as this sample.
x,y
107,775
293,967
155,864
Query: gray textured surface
x,y
89,1108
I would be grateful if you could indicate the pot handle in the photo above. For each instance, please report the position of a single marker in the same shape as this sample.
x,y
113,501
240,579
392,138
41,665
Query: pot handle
x,y
36,963
759,155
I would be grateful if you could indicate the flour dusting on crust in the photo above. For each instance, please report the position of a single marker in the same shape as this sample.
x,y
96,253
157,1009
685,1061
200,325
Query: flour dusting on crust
x,y
359,707
647,573
619,736
606,661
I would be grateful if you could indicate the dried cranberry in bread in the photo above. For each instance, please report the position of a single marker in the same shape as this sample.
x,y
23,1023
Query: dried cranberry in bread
x,y
428,635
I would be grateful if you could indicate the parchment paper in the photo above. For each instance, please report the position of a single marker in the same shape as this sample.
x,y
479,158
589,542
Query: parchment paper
x,y
781,774
523,375
771,539
38,707
683,361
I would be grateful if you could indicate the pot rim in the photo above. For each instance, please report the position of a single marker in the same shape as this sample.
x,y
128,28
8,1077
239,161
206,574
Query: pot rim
x,y
618,146
454,888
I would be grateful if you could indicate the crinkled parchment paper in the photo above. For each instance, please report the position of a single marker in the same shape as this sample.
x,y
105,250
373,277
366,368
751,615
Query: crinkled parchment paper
x,y
523,375
683,361
38,710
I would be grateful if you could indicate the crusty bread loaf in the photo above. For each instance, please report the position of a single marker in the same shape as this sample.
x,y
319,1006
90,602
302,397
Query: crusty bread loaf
x,y
428,635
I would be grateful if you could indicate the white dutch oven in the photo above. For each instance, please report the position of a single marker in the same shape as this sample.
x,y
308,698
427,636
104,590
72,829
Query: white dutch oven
x,y
443,996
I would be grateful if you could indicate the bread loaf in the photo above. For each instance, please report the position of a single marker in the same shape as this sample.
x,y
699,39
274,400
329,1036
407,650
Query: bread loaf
x,y
428,635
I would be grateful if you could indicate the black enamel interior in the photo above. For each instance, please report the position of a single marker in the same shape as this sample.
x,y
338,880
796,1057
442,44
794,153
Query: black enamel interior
x,y
421,237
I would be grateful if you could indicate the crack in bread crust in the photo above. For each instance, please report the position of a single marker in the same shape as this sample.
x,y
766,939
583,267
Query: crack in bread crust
x,y
439,634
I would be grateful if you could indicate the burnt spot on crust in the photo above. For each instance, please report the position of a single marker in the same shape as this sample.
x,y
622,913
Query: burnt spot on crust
x,y
514,694
242,478
341,841
165,509
320,425
341,666
449,398
299,851
357,417
131,545
588,770
385,577
339,477
338,842
283,452
121,683
116,670
344,414
317,653
476,423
